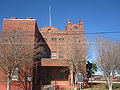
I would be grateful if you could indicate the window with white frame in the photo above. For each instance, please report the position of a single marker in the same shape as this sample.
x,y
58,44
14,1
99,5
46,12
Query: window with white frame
x,y
53,55
15,74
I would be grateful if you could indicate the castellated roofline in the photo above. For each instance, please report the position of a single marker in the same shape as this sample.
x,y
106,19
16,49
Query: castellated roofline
x,y
74,26
49,29
29,23
69,27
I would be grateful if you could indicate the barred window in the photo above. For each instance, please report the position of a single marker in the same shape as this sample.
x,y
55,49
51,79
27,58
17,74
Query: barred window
x,y
53,55
15,74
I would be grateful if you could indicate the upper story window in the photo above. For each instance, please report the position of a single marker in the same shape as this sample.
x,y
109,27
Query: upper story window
x,y
76,28
49,29
15,74
61,38
44,55
61,54
54,39
53,55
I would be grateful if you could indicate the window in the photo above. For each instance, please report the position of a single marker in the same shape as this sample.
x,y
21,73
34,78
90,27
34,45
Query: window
x,y
44,55
61,54
54,39
61,38
15,74
75,28
29,78
49,29
53,55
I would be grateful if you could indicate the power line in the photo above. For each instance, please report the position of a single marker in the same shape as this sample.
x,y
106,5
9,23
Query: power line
x,y
70,33
104,33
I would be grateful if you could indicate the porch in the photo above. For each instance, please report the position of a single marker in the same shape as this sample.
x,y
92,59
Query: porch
x,y
55,75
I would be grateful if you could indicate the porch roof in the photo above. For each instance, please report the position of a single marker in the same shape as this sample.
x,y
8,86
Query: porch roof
x,y
53,62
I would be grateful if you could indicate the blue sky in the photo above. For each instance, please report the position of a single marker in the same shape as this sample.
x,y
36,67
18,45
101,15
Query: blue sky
x,y
99,15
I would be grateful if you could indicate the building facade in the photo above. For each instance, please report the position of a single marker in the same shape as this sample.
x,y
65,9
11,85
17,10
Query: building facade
x,y
54,66
57,42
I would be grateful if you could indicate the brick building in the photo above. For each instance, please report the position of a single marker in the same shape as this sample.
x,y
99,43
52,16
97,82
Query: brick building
x,y
56,41
54,67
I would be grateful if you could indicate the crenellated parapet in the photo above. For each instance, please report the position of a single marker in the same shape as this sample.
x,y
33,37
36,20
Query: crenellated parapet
x,y
74,26
48,29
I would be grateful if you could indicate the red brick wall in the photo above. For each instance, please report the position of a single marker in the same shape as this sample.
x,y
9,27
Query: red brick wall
x,y
50,33
28,25
19,24
72,30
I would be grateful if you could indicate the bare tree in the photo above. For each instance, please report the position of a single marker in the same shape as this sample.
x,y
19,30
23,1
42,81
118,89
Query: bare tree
x,y
17,49
25,75
76,52
108,57
118,49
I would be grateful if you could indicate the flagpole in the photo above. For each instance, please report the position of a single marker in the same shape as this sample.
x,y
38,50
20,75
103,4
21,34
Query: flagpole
x,y
50,22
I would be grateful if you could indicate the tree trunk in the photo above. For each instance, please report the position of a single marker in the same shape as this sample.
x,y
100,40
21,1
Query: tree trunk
x,y
8,83
80,86
75,86
110,84
71,77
